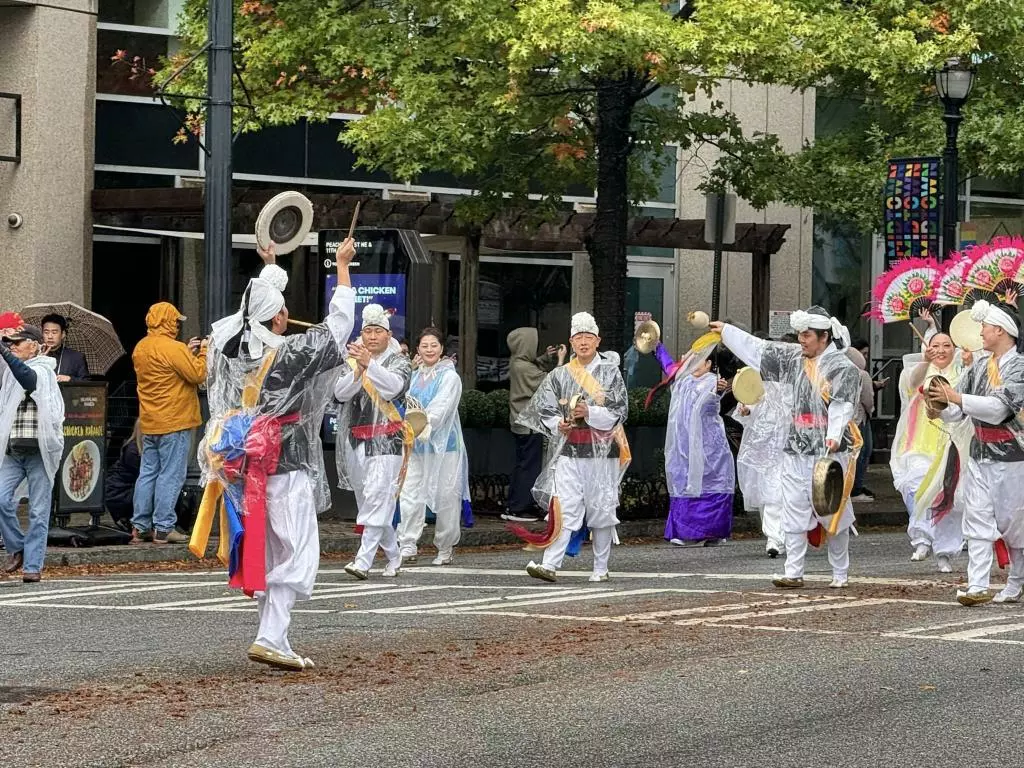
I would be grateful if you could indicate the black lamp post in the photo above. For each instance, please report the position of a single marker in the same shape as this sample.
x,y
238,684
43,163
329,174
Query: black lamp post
x,y
953,83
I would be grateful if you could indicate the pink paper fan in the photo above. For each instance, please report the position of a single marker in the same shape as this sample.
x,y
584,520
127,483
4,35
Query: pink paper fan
x,y
904,290
952,288
994,266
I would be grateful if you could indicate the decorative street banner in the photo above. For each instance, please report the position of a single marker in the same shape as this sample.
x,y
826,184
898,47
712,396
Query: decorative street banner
x,y
80,477
912,226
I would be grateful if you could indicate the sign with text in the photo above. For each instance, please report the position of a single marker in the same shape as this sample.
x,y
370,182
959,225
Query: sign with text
x,y
80,476
386,290
778,323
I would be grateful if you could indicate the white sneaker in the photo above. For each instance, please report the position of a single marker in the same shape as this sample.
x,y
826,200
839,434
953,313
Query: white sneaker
x,y
409,555
444,558
392,568
359,573
598,577
838,583
945,565
542,572
676,542
973,597
921,553
1008,597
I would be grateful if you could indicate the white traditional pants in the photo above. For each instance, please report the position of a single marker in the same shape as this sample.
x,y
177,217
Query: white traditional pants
x,y
945,537
588,491
375,482
771,523
434,478
374,536
798,518
993,502
293,556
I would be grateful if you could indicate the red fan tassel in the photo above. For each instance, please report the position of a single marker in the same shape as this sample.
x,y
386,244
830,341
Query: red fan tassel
x,y
543,539
1002,553
817,536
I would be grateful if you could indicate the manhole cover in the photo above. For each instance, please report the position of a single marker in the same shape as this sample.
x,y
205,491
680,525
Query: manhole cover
x,y
14,694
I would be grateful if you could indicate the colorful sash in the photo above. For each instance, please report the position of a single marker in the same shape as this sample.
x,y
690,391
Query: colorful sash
x,y
395,418
592,388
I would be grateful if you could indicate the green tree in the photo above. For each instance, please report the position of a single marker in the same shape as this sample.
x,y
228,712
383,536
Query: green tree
x,y
536,96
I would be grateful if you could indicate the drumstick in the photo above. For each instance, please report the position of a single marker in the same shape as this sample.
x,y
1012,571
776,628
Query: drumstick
x,y
917,333
355,218
300,323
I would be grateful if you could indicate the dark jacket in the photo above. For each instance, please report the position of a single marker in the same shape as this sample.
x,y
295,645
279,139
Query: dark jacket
x,y
70,363
120,485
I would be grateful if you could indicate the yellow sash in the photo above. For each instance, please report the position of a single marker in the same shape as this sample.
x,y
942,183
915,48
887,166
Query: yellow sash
x,y
592,387
391,412
213,494
823,389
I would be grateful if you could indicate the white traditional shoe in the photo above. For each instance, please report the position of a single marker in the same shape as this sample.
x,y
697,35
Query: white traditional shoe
x,y
408,555
392,568
944,563
598,577
444,558
921,553
541,572
973,597
263,655
1008,597
676,542
839,583
359,573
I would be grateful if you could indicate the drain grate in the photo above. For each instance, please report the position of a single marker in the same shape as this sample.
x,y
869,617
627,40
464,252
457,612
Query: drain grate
x,y
15,694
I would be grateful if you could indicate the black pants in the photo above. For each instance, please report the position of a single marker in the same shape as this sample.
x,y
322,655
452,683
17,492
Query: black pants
x,y
529,455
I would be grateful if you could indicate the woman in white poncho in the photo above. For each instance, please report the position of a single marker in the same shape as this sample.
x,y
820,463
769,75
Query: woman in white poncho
x,y
438,474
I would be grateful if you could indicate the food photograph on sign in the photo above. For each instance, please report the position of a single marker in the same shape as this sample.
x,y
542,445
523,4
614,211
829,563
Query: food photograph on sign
x,y
81,470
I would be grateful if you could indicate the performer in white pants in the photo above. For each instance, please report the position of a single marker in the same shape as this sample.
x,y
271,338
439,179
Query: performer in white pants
x,y
438,474
823,386
371,443
991,394
581,406
261,456
765,427
919,451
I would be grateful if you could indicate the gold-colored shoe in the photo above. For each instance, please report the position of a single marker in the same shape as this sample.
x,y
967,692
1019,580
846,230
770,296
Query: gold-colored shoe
x,y
784,582
970,599
541,572
275,659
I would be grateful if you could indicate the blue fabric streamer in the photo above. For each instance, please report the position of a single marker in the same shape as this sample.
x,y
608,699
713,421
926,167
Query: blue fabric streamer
x,y
576,541
235,534
467,514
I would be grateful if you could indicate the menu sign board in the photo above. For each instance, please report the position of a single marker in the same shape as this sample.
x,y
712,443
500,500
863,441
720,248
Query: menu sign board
x,y
80,476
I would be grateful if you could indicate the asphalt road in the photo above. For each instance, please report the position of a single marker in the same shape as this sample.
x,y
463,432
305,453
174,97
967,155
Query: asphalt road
x,y
685,656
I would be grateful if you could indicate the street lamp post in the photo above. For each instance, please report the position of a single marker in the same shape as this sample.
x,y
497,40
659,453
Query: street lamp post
x,y
953,83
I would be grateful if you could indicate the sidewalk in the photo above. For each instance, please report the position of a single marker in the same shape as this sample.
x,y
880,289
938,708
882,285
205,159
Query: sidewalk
x,y
338,537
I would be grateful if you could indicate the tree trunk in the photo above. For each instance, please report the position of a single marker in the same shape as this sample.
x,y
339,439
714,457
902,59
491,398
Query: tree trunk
x,y
606,245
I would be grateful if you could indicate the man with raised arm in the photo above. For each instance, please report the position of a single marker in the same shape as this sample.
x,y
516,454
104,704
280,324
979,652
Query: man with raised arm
x,y
823,388
262,459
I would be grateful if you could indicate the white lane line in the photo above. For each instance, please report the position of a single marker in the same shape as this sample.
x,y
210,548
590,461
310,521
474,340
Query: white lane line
x,y
589,594
72,590
710,609
822,604
235,597
106,591
507,599
978,632
951,624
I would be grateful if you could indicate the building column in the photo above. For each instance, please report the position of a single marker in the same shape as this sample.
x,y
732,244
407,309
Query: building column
x,y
48,56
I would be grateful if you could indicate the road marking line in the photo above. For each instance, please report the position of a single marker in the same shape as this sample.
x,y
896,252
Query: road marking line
x,y
106,590
592,594
951,624
825,603
475,601
708,609
972,634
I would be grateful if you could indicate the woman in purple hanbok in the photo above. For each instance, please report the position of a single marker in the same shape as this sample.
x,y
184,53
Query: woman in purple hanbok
x,y
699,468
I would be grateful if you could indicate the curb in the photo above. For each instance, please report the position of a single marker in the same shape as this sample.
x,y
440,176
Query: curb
x,y
335,542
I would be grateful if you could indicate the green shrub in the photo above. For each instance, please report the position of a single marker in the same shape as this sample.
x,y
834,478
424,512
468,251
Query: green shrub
x,y
655,416
499,402
476,409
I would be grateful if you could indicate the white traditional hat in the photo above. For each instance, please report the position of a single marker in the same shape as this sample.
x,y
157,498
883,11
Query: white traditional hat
x,y
285,221
374,314
583,322
991,314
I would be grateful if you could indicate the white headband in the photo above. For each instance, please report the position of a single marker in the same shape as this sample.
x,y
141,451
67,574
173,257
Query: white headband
x,y
990,314
263,299
374,314
583,322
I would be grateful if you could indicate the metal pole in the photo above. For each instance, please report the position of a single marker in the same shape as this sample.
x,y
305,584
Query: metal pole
x,y
950,190
716,277
217,227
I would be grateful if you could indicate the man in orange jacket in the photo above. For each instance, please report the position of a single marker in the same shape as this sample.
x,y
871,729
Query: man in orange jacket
x,y
169,373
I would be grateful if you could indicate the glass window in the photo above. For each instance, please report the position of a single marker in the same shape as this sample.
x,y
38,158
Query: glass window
x,y
278,150
141,135
990,220
665,253
841,272
116,180
142,13
330,159
513,296
643,294
116,77
1005,186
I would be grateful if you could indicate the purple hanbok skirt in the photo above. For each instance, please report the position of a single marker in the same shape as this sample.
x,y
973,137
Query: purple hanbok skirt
x,y
700,517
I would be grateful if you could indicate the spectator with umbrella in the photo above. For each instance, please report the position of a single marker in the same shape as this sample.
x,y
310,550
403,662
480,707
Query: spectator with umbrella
x,y
83,332
71,365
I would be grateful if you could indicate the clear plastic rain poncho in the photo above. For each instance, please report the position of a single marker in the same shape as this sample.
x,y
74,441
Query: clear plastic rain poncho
x,y
373,441
765,432
440,447
1005,382
698,460
267,397
600,385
